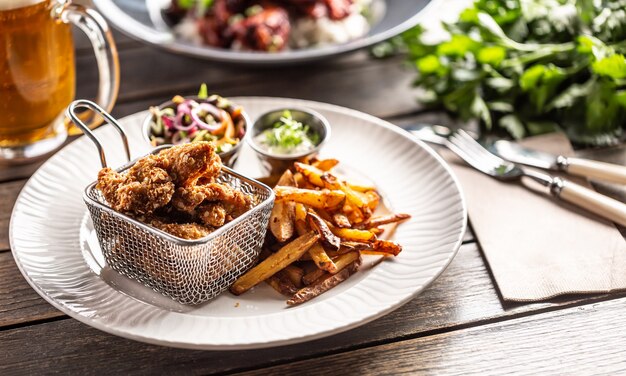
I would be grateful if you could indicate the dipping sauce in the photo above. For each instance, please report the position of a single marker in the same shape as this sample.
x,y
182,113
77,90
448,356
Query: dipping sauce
x,y
288,136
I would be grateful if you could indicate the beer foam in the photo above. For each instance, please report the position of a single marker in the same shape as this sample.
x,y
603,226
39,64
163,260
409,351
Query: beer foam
x,y
14,4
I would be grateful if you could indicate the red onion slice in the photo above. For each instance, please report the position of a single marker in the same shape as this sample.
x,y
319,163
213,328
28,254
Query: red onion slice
x,y
201,123
212,110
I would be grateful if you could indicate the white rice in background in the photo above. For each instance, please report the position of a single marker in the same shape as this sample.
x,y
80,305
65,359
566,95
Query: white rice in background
x,y
187,30
308,32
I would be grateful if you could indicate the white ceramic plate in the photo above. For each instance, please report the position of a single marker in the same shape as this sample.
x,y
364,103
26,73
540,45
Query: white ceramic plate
x,y
57,251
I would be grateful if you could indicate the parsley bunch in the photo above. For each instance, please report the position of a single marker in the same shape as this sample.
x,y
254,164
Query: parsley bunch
x,y
529,67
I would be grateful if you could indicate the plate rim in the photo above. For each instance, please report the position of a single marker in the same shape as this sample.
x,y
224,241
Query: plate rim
x,y
275,343
163,41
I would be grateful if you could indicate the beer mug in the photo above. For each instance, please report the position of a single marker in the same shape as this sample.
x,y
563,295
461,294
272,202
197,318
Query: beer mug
x,y
37,72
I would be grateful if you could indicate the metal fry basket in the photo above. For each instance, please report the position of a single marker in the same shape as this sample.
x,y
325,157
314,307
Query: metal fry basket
x,y
188,271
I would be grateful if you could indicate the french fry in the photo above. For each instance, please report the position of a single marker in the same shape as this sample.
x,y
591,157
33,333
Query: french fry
x,y
376,231
361,187
311,277
321,259
301,182
282,221
294,274
322,285
275,262
355,246
302,227
332,182
332,219
383,220
326,164
354,214
286,179
345,260
311,173
385,246
327,238
373,199
354,234
282,284
340,263
301,212
341,220
322,214
324,199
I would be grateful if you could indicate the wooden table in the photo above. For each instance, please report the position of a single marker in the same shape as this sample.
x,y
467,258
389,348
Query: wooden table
x,y
458,325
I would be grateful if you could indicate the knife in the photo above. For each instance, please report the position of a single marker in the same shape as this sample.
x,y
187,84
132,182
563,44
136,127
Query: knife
x,y
576,166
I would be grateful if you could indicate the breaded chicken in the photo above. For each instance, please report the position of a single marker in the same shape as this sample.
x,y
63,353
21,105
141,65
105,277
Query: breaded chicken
x,y
187,163
201,198
175,191
139,192
181,230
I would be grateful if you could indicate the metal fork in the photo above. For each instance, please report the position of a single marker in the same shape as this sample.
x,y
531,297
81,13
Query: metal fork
x,y
463,145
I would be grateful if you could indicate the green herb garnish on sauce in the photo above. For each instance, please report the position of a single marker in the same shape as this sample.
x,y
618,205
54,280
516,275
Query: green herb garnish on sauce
x,y
288,133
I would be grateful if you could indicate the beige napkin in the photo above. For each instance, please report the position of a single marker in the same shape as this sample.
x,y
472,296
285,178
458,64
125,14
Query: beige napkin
x,y
538,247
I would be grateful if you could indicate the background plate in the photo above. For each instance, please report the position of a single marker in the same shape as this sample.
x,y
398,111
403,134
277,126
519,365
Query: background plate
x,y
57,252
132,17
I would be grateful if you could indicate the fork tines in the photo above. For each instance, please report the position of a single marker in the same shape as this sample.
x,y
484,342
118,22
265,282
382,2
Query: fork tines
x,y
472,152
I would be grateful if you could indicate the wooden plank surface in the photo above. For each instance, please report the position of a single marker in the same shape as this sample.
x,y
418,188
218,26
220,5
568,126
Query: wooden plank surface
x,y
355,81
19,303
463,296
585,340
8,195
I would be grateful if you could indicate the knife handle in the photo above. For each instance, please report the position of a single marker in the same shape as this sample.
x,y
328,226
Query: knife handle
x,y
590,200
594,170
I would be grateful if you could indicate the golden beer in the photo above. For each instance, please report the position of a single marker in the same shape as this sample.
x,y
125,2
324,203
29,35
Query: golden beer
x,y
36,71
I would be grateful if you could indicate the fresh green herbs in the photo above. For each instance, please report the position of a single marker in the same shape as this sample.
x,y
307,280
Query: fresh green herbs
x,y
289,135
529,67
203,93
188,4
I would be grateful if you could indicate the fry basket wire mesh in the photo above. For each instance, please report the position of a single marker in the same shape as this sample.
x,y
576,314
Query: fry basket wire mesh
x,y
188,271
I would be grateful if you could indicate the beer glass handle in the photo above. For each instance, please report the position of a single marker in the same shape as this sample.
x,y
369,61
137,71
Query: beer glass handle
x,y
92,24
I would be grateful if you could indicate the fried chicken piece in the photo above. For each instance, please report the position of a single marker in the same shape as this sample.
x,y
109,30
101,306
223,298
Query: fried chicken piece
x,y
212,214
138,191
187,199
182,230
193,200
234,202
189,162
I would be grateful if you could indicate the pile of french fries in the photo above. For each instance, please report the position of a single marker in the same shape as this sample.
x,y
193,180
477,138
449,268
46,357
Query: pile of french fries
x,y
320,226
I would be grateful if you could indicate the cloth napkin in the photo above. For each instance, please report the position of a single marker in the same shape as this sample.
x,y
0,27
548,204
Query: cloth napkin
x,y
537,246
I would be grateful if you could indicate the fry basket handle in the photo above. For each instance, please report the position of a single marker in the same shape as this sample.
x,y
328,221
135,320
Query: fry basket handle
x,y
85,104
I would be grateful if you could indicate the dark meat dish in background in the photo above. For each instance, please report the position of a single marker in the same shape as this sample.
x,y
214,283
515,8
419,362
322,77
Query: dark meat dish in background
x,y
260,25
